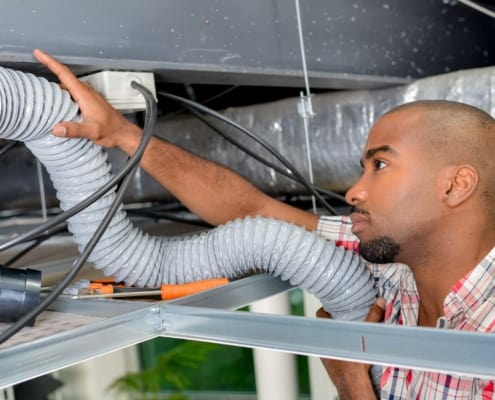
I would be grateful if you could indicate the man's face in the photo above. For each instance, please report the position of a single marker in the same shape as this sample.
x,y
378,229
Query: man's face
x,y
394,201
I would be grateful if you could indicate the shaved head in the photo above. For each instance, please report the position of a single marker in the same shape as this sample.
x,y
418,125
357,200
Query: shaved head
x,y
455,133
428,182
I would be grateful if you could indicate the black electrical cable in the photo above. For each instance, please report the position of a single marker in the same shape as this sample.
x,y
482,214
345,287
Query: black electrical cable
x,y
79,262
8,147
256,138
38,240
62,217
13,213
157,215
205,101
257,157
175,206
166,211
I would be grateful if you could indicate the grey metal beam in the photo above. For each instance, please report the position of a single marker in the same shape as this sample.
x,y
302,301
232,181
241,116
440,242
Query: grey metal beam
x,y
126,323
202,73
104,308
449,351
29,360
236,294
201,317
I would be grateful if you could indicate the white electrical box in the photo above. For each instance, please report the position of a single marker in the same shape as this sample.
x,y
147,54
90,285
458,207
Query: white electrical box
x,y
115,87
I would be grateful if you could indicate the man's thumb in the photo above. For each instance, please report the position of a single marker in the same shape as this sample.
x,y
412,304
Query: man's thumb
x,y
377,311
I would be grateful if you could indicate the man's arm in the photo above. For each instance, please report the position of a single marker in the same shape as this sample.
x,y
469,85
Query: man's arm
x,y
352,379
215,193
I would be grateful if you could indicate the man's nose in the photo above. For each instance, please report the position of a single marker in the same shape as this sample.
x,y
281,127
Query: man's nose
x,y
357,194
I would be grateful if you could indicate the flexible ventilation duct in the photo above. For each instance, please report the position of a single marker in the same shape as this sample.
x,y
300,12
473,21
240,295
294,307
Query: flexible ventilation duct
x,y
30,106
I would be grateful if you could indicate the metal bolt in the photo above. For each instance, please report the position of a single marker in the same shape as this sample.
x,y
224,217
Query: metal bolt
x,y
165,324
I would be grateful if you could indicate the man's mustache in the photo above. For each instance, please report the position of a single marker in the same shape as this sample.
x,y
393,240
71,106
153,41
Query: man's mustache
x,y
358,210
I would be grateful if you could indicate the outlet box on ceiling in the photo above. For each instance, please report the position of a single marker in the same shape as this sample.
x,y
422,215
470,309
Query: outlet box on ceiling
x,y
115,87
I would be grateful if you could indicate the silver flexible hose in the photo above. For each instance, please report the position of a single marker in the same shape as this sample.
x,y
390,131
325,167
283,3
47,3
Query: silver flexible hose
x,y
29,108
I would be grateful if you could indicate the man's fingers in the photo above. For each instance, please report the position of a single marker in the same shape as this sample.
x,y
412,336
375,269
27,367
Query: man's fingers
x,y
67,129
375,314
321,313
60,130
377,311
59,69
63,73
75,130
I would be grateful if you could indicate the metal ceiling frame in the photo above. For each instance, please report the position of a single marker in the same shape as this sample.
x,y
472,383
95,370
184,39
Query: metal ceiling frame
x,y
208,316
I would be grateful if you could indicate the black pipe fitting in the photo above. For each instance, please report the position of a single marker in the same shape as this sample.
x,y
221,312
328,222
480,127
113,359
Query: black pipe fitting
x,y
19,293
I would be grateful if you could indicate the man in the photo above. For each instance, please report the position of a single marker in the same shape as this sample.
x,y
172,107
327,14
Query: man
x,y
425,200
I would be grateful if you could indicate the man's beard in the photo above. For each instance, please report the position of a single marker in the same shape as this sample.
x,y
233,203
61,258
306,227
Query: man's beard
x,y
382,250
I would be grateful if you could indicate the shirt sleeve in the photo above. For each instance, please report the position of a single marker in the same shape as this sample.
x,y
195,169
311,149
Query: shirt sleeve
x,y
338,229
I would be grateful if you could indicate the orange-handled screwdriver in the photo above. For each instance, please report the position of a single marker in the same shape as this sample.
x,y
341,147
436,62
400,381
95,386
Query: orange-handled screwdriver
x,y
169,292
166,291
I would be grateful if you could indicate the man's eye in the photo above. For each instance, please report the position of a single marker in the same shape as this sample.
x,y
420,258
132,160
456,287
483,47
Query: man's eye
x,y
379,164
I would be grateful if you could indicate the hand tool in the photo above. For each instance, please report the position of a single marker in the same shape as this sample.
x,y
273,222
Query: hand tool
x,y
166,291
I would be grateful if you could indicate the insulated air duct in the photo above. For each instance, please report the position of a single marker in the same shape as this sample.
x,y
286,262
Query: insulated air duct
x,y
338,131
30,106
338,135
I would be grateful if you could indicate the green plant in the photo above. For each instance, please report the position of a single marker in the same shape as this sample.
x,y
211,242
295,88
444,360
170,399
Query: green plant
x,y
172,366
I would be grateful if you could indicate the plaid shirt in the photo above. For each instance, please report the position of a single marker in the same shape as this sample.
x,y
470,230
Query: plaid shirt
x,y
470,306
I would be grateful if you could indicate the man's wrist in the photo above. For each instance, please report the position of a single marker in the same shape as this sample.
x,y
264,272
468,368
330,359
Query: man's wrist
x,y
351,379
129,138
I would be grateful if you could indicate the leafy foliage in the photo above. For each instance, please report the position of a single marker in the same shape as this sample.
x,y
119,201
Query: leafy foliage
x,y
172,366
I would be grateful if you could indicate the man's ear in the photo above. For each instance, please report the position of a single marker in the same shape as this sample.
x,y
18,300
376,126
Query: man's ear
x,y
459,184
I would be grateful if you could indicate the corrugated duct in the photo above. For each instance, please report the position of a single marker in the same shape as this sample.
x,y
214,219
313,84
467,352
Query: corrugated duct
x,y
30,106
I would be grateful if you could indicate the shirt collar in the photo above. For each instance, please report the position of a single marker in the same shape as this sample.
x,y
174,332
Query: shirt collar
x,y
471,290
